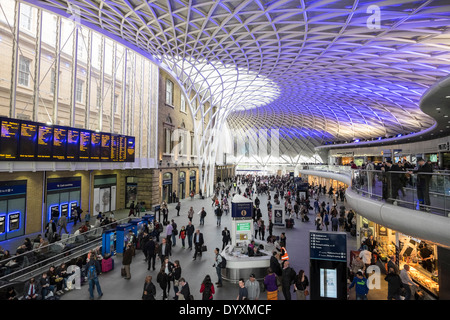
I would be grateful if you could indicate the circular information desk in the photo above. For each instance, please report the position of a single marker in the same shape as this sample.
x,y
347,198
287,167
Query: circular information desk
x,y
240,265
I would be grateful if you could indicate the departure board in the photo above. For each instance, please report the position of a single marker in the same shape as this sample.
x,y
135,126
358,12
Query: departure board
x,y
122,148
85,144
27,141
73,144
95,146
59,143
32,141
9,139
130,149
105,154
45,142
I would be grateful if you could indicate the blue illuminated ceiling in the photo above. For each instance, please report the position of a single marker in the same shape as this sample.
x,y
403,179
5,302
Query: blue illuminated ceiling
x,y
336,70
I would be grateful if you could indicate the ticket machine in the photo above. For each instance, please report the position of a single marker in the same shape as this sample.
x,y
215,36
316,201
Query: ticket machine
x,y
122,231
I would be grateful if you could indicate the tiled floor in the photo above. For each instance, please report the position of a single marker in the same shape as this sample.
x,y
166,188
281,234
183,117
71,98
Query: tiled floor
x,y
117,288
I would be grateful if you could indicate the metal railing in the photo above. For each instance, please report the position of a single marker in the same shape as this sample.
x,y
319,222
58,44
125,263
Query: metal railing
x,y
22,267
428,192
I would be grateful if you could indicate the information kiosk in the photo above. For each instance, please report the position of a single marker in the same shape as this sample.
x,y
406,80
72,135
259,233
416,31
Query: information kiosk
x,y
239,263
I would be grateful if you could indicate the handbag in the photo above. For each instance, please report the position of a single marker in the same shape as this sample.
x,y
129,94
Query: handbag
x,y
204,248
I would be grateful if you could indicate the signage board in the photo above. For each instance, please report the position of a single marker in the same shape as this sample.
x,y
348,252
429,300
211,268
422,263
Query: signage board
x,y
330,246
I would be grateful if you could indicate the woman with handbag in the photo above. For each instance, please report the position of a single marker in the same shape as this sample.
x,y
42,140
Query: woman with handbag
x,y
176,275
301,285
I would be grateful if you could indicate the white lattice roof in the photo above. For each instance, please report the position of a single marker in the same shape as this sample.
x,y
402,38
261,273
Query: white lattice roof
x,y
322,69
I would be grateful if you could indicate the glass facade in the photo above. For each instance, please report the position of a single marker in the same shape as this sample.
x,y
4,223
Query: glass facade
x,y
63,73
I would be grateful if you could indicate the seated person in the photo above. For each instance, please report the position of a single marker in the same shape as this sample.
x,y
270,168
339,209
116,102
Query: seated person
x,y
32,290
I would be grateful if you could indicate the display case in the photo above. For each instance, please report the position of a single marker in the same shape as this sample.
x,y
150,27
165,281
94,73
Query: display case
x,y
423,268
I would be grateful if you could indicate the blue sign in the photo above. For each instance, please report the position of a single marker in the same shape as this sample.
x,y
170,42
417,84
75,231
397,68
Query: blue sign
x,y
241,210
331,246
13,190
63,185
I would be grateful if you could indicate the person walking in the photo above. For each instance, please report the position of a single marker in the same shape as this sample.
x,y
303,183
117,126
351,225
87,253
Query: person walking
x,y
271,285
190,229
93,270
218,265
198,243
185,292
301,285
361,287
163,280
150,248
62,223
127,259
174,233
190,214
178,207
182,236
165,250
132,207
176,275
50,230
287,278
202,216
149,289
218,213
207,288
226,237
252,286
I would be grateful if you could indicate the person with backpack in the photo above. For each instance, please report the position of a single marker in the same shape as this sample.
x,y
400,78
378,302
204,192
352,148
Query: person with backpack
x,y
219,263
93,270
207,288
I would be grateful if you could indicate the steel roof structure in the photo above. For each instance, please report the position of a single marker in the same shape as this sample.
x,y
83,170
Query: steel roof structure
x,y
316,70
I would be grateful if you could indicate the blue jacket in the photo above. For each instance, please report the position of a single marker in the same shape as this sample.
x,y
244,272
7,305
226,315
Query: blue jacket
x,y
361,287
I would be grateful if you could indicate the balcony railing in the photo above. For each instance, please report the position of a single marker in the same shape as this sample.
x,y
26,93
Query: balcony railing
x,y
428,192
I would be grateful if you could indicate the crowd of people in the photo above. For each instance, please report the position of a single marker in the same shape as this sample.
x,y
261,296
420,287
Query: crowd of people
x,y
395,177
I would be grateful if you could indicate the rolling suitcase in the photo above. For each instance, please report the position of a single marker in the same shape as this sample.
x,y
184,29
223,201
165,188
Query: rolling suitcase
x,y
107,265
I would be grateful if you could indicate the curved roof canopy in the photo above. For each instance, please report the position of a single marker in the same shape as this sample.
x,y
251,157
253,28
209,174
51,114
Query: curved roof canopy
x,y
316,70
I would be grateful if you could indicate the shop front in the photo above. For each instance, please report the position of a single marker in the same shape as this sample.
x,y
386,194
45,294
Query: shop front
x,y
420,255
12,209
167,183
182,185
63,195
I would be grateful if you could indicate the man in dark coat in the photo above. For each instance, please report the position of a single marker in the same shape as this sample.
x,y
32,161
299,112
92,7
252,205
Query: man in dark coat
x,y
198,243
150,250
287,279
274,264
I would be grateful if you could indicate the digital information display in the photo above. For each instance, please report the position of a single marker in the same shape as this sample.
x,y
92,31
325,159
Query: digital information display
x,y
45,142
28,138
328,246
73,141
59,143
105,154
328,283
9,139
95,146
85,144
243,226
33,141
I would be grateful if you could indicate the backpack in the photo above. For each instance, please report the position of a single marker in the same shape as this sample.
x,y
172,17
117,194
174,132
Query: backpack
x,y
207,292
92,272
223,263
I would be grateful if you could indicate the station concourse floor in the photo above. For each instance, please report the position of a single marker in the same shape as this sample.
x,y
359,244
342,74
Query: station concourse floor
x,y
115,287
